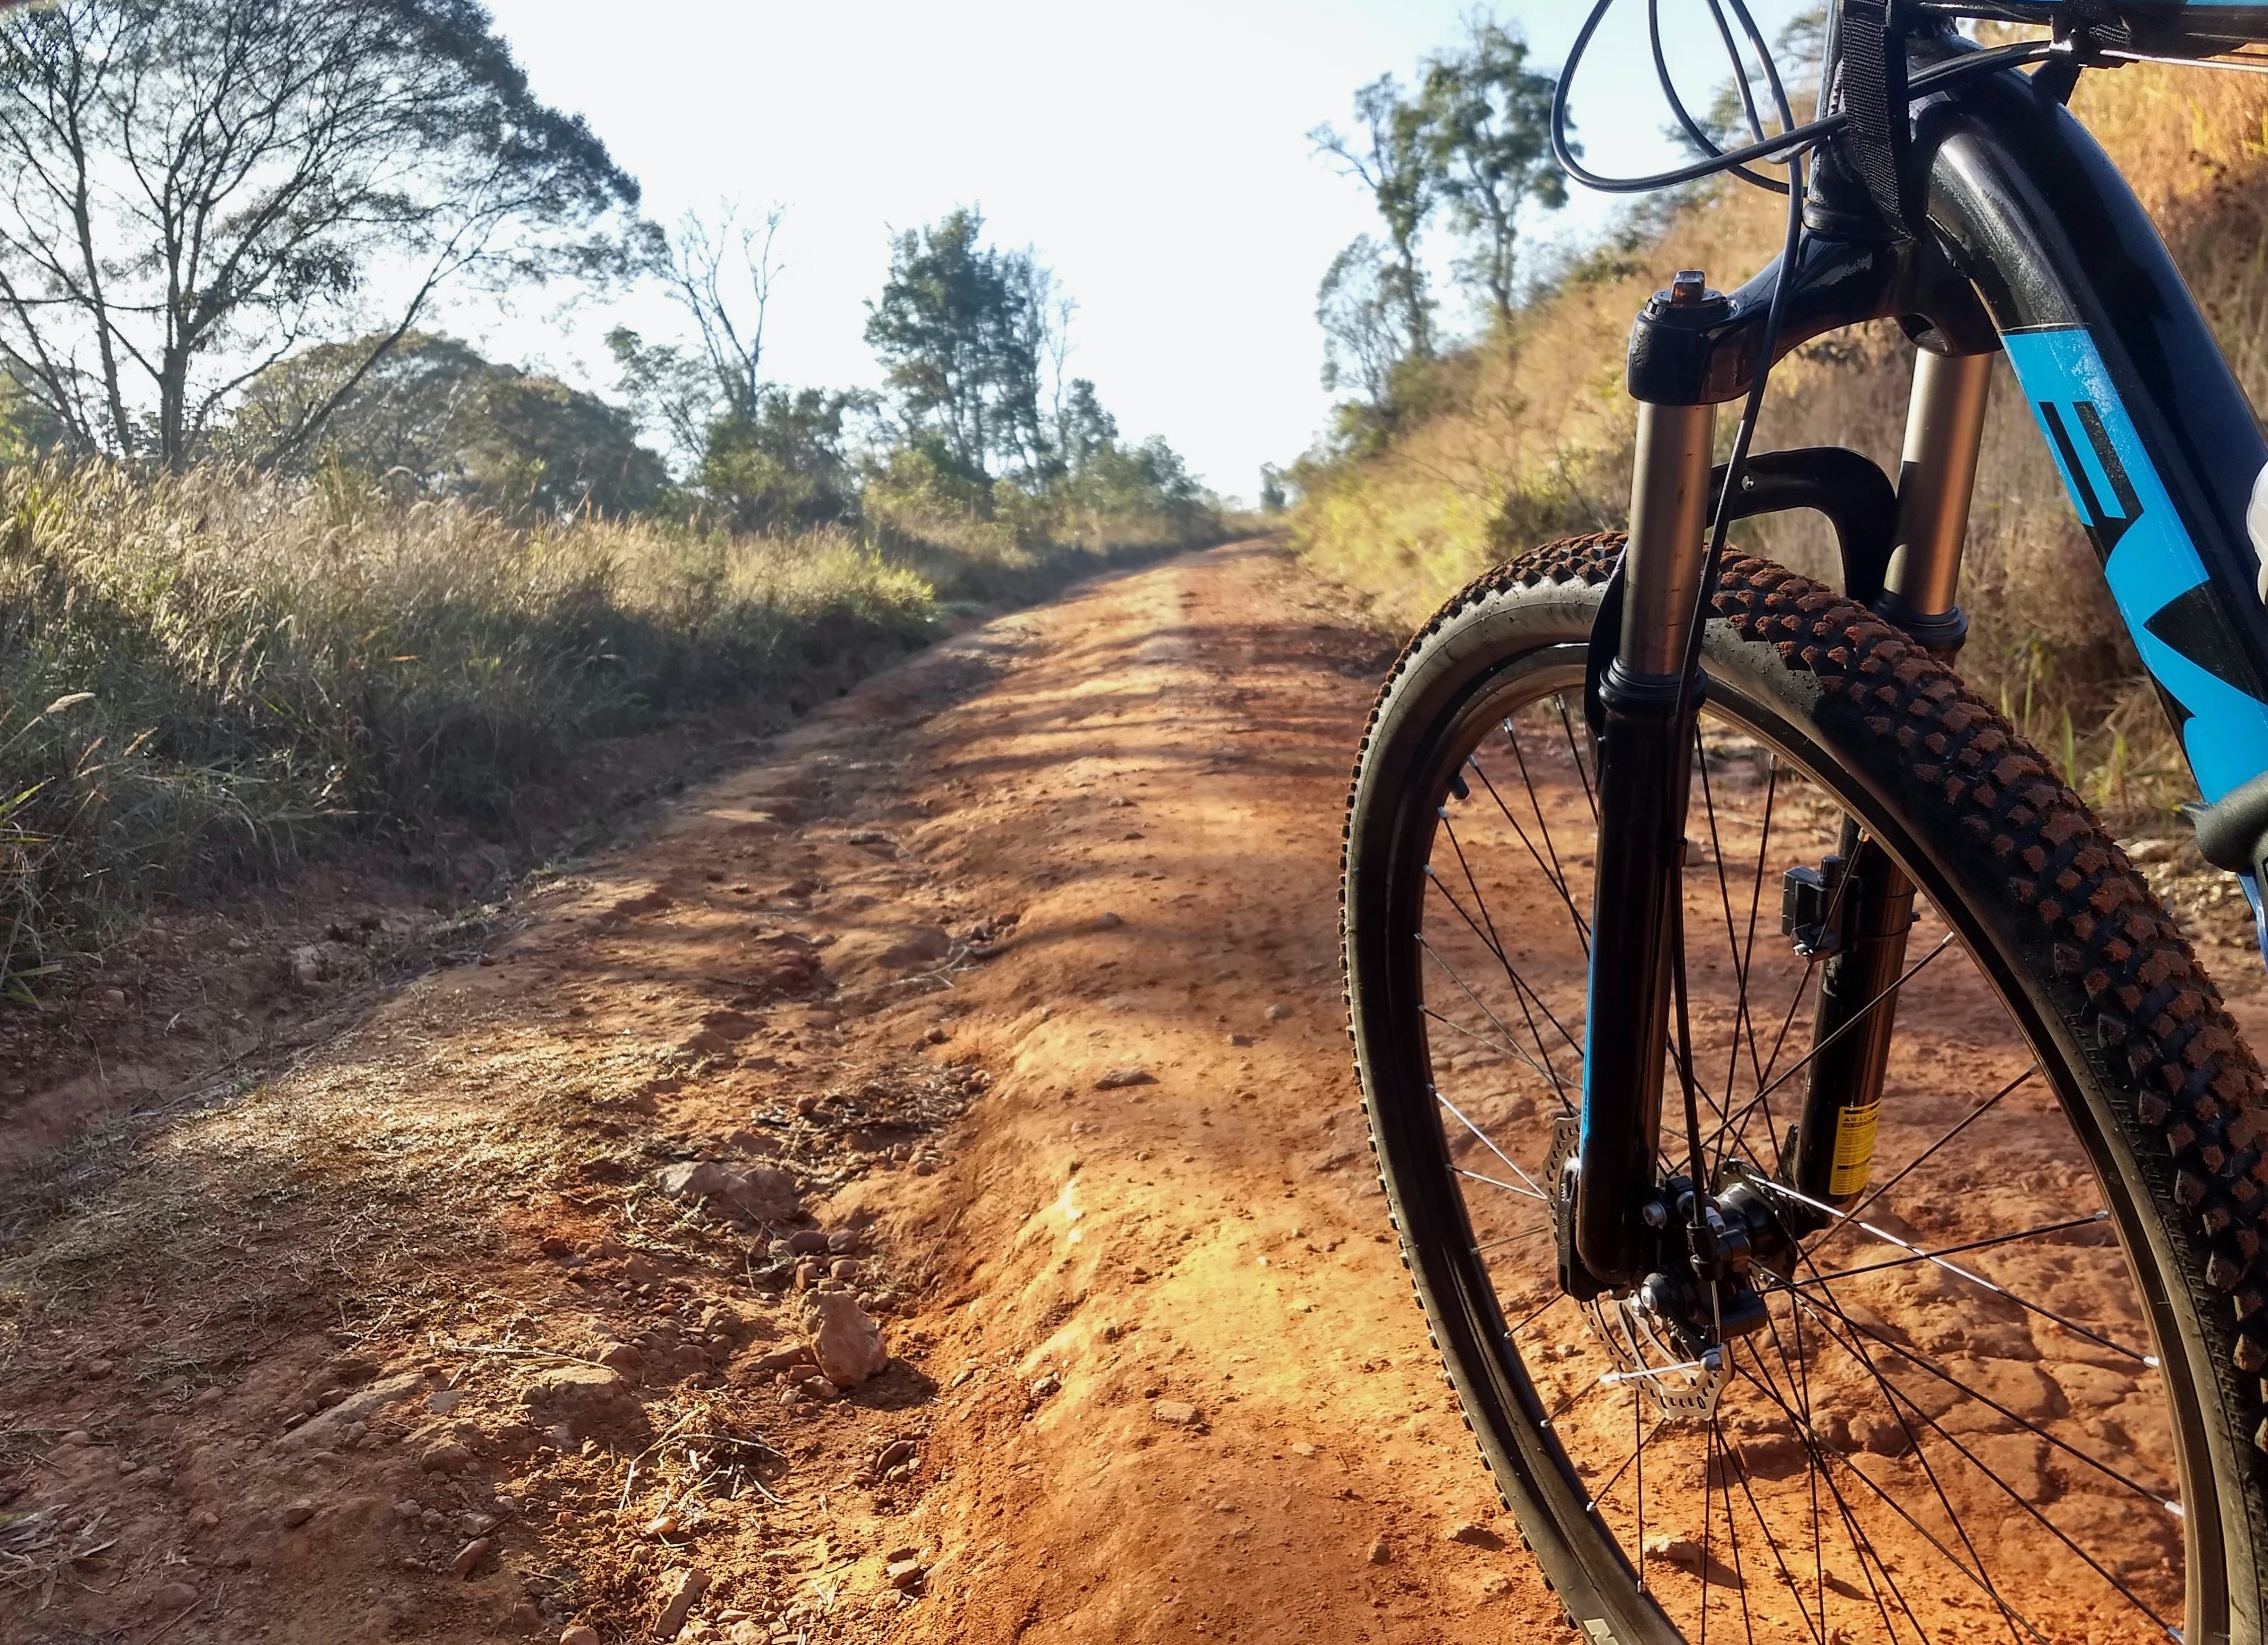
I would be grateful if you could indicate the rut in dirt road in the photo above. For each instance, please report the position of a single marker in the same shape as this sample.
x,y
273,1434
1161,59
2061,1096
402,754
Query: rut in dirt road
x,y
1015,972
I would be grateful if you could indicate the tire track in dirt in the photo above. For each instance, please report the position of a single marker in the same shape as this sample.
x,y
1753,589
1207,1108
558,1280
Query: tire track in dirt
x,y
1074,873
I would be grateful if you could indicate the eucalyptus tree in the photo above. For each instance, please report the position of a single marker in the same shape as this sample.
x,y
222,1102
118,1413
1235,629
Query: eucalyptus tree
x,y
196,191
1486,122
965,331
1389,154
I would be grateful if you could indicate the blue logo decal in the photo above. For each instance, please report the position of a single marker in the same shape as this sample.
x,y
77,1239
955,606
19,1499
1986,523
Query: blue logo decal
x,y
2149,560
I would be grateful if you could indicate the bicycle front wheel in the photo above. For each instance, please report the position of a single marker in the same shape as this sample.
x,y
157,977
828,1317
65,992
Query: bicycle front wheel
x,y
2015,1390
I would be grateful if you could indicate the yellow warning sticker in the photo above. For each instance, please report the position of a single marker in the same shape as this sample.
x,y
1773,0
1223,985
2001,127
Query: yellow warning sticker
x,y
1854,1149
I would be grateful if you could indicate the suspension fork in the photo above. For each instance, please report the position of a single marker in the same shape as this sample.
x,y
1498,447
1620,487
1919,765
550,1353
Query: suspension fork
x,y
1642,779
1644,774
1831,1153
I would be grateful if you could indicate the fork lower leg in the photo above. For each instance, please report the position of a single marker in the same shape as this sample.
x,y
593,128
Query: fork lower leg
x,y
1643,772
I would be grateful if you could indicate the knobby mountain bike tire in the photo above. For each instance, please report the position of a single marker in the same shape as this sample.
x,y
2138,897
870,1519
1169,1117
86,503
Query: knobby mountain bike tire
x,y
2017,1387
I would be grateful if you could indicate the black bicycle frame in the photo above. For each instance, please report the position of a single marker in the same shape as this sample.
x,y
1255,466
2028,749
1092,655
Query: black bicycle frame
x,y
2032,244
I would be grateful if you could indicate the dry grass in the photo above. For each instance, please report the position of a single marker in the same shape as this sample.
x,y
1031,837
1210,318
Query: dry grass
x,y
203,675
1530,436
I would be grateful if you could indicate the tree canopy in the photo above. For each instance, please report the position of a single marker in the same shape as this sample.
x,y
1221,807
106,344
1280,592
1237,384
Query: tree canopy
x,y
199,191
963,330
433,414
1473,138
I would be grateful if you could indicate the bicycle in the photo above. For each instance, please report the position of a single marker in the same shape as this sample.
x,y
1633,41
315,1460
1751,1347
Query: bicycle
x,y
1834,1188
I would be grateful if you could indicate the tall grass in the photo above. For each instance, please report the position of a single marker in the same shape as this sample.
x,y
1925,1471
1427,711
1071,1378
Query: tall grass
x,y
203,675
1527,436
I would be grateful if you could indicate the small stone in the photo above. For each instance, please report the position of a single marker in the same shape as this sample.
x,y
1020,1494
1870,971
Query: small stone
x,y
1118,1079
807,1275
1473,1535
445,1400
808,1242
1047,1386
685,1587
203,1519
842,1241
1177,1413
623,1360
892,1454
844,1338
78,1436
845,1268
905,1574
764,1193
1107,922
477,1524
1278,1013
469,1557
299,1513
1881,1435
1381,1553
444,1456
408,1508
307,967
579,1635
581,1399
820,1388
1301,1448
173,1596
98,1368
1240,1039
1682,1552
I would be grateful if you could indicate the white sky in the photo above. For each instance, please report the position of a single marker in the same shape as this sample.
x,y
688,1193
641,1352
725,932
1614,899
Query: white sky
x,y
1155,156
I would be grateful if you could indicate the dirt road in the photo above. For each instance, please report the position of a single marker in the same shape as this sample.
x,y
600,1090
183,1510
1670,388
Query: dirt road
x,y
1015,968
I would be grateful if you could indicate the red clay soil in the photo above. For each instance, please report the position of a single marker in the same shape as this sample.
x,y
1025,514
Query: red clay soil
x,y
1016,968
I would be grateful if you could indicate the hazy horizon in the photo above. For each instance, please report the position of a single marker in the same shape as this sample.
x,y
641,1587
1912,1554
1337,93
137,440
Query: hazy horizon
x,y
1159,162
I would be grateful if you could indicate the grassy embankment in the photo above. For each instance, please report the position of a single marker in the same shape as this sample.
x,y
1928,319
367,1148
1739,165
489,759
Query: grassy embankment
x,y
203,677
1527,436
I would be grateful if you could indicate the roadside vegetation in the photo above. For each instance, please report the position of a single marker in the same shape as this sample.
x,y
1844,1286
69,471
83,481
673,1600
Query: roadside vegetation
x,y
284,566
1452,456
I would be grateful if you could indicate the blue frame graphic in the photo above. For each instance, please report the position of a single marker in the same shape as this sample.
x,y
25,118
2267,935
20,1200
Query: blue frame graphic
x,y
2148,557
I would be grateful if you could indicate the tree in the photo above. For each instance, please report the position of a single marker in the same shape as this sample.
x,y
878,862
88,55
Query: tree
x,y
1273,498
198,190
1389,156
1083,429
434,414
1356,307
783,466
722,277
962,329
1486,116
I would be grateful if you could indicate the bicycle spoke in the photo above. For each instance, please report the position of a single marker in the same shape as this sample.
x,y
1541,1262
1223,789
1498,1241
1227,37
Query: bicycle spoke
x,y
1520,990
2015,1495
1559,702
2156,1497
1859,1016
1556,875
2050,1314
1474,1176
2044,1228
1919,1542
1973,1115
1488,1143
1976,1573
